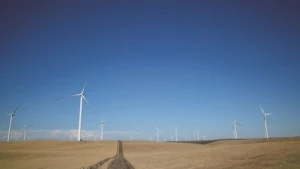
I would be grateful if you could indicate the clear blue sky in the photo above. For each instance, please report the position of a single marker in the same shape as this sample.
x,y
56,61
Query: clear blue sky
x,y
187,63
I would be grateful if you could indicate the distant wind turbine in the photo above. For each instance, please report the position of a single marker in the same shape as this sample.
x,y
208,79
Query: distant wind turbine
x,y
157,134
25,130
80,109
235,131
198,134
176,129
10,122
17,134
265,119
102,128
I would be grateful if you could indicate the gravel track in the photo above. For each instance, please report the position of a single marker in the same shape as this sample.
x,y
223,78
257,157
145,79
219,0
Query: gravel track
x,y
120,162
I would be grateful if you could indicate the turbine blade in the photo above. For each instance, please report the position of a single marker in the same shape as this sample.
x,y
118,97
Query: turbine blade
x,y
76,95
84,87
267,114
16,109
86,100
239,124
67,96
109,121
262,110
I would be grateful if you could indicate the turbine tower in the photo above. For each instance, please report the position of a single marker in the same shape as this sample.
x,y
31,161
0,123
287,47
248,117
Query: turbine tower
x,y
235,131
176,129
198,134
80,109
157,134
102,125
10,122
265,119
25,130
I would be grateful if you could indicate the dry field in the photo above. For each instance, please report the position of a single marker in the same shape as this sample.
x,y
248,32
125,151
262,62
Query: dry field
x,y
54,154
226,154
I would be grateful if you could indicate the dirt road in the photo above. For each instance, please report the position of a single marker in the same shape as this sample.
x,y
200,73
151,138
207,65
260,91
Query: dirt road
x,y
120,162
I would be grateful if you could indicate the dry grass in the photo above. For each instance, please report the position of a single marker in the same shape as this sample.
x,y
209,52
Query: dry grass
x,y
227,154
54,154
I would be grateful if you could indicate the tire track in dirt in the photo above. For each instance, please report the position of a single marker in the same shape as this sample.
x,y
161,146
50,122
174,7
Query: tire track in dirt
x,y
120,162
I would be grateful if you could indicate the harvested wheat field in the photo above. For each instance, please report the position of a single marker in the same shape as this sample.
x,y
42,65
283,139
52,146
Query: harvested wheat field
x,y
225,154
54,154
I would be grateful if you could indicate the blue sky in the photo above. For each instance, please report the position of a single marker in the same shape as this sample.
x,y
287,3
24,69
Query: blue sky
x,y
186,63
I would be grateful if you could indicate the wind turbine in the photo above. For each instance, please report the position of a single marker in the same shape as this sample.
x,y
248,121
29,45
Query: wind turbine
x,y
80,109
176,128
157,134
25,130
235,131
102,125
265,119
17,134
11,117
198,134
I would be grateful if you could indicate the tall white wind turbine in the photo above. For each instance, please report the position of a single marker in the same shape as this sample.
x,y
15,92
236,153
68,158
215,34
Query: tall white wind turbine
x,y
235,131
10,122
176,130
157,133
80,109
25,130
265,119
198,134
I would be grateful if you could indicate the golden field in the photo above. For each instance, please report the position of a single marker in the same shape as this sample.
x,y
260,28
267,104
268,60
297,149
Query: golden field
x,y
223,154
54,154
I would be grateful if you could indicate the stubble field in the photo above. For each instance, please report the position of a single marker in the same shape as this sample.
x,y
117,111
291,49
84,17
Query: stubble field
x,y
226,154
54,154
